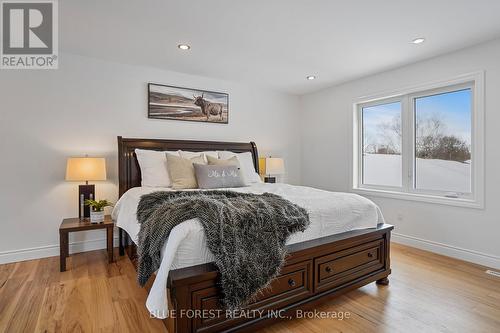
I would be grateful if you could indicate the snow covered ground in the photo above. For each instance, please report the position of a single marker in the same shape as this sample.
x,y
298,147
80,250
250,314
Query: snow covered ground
x,y
380,169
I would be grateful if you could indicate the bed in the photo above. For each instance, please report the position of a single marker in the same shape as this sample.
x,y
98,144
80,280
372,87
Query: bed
x,y
325,260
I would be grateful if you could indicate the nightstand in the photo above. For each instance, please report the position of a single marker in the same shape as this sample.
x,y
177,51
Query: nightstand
x,y
75,225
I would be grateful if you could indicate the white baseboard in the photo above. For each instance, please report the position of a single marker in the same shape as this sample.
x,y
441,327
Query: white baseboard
x,y
52,250
448,250
97,244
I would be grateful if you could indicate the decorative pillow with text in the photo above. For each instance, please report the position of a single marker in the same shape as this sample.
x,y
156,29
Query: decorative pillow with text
x,y
218,176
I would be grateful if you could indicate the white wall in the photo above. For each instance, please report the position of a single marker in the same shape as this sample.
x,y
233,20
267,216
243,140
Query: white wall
x,y
80,108
326,131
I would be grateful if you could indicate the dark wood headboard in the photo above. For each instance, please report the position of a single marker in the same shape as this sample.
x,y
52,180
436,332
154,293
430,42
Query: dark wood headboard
x,y
129,172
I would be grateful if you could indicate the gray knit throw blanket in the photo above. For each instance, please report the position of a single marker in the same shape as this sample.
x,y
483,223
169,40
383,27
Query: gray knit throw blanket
x,y
246,233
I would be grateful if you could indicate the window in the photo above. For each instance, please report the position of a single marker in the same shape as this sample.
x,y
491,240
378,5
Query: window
x,y
382,144
443,141
424,144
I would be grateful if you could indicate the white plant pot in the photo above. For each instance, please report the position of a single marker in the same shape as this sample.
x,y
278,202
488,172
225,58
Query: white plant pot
x,y
96,217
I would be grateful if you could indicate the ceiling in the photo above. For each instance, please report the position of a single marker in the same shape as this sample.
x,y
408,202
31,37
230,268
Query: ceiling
x,y
275,43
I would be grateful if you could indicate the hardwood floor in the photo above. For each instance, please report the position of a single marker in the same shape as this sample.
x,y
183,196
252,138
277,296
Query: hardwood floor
x,y
91,296
427,293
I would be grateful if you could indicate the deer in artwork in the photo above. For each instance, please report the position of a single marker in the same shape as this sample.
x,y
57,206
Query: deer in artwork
x,y
208,108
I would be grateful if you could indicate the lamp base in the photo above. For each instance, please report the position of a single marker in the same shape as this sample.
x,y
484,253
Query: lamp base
x,y
85,192
270,180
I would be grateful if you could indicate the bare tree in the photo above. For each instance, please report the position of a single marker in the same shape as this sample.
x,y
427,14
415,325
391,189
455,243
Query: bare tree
x,y
391,135
430,140
429,132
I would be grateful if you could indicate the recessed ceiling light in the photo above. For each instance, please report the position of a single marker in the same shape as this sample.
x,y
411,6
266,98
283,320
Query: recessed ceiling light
x,y
184,47
419,40
310,77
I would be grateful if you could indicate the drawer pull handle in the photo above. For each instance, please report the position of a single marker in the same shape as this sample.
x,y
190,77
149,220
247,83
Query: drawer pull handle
x,y
291,283
370,254
328,269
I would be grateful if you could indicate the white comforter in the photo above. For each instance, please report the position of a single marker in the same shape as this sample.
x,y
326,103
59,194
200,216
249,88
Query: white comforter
x,y
330,213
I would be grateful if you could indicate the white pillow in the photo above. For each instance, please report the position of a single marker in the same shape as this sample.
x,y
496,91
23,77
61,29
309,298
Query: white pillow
x,y
246,164
191,154
153,166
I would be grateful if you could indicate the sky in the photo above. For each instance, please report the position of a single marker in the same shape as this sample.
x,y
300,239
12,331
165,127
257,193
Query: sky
x,y
453,108
373,116
188,93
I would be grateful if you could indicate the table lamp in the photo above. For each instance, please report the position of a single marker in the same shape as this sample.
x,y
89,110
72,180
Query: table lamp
x,y
274,166
85,169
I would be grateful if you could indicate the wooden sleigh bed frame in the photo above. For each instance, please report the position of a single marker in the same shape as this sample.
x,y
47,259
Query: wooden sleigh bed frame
x,y
314,270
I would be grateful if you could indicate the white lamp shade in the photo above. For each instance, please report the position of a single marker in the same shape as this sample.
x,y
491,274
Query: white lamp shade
x,y
85,169
275,166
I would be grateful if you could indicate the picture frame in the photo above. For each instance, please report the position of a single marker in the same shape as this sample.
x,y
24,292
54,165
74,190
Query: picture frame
x,y
187,104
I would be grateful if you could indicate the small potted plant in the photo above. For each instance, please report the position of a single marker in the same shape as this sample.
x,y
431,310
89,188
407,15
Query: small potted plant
x,y
97,209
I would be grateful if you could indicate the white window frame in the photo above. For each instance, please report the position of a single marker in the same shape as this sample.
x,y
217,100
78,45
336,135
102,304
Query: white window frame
x,y
474,81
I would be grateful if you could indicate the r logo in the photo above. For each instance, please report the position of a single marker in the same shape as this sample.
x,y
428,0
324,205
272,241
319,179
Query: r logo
x,y
29,36
27,28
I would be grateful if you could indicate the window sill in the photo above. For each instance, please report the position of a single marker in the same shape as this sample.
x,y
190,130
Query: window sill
x,y
467,203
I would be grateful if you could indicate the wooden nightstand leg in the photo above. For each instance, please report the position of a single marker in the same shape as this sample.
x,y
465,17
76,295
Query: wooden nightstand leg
x,y
125,240
63,250
120,241
110,243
